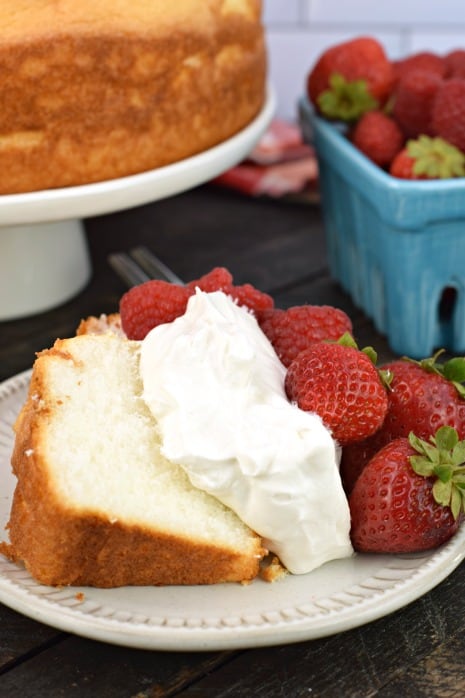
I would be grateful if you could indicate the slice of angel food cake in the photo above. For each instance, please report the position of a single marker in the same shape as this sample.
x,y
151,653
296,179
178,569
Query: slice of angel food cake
x,y
174,459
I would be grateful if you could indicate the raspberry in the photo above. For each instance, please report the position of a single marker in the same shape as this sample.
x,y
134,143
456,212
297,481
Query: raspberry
x,y
414,100
250,297
150,304
378,137
293,330
156,302
218,279
448,113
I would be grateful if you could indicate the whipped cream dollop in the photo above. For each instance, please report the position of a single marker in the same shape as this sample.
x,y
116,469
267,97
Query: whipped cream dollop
x,y
215,385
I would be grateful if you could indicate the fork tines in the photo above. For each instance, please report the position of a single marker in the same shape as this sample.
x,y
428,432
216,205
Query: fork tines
x,y
140,265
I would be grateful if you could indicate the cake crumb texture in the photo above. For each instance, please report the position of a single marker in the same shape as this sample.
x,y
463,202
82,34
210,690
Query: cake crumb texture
x,y
96,503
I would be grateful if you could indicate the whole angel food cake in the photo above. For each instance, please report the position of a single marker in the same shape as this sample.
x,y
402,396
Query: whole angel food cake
x,y
97,90
175,459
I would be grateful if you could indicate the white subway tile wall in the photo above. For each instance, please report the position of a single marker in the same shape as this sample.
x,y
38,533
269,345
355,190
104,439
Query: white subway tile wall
x,y
299,30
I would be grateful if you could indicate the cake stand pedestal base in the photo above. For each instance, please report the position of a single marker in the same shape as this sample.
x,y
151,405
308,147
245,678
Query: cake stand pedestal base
x,y
42,265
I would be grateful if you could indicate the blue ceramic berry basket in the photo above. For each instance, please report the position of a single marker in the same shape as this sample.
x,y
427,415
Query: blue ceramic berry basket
x,y
396,246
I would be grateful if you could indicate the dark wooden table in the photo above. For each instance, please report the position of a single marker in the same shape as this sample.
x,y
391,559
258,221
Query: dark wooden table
x,y
279,247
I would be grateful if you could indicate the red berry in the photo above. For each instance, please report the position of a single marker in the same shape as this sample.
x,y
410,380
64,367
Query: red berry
x,y
250,297
354,458
427,61
360,59
292,330
340,384
157,302
414,98
448,112
402,166
378,137
420,399
218,279
150,304
428,158
393,509
455,63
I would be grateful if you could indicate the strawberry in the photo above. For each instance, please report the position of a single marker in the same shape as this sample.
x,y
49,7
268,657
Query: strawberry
x,y
422,396
341,384
355,456
150,304
413,103
378,137
455,63
410,495
403,165
448,112
427,61
295,329
428,158
350,78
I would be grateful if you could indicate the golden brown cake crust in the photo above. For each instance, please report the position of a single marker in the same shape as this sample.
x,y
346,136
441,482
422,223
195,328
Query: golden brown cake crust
x,y
62,547
101,324
84,101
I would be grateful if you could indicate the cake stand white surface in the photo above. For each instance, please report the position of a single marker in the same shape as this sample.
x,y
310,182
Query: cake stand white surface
x,y
44,259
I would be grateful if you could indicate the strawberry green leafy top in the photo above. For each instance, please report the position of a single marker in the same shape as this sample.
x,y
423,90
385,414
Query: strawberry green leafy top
x,y
443,458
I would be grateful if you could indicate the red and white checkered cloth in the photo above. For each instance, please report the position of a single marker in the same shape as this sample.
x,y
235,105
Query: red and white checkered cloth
x,y
279,165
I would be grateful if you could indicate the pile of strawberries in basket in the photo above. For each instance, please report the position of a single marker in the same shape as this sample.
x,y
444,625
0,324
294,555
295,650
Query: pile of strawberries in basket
x,y
401,426
407,116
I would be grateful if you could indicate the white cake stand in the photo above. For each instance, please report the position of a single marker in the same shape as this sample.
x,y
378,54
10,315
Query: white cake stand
x,y
44,259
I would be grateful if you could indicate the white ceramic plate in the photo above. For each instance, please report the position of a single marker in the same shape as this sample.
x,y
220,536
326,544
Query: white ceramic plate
x,y
340,595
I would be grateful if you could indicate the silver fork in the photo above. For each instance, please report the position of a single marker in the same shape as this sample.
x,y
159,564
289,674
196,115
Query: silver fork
x,y
140,265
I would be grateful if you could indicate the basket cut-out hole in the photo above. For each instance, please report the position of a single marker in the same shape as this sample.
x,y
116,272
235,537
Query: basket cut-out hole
x,y
447,304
